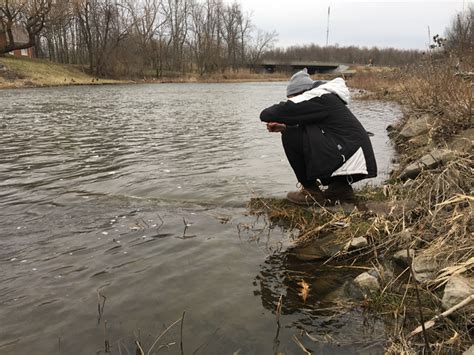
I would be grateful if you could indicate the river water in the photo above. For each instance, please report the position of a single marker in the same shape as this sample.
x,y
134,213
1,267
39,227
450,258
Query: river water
x,y
124,206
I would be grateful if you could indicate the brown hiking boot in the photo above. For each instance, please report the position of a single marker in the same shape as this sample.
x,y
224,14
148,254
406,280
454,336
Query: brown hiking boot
x,y
339,191
306,196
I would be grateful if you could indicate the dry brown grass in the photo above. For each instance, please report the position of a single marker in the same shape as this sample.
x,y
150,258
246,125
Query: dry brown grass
x,y
434,88
242,75
377,83
25,72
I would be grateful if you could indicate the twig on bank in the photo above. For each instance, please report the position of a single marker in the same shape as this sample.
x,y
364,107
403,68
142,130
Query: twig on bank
x,y
417,292
432,321
389,284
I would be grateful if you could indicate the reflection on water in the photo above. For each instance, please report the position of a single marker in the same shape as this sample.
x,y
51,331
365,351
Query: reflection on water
x,y
324,314
97,187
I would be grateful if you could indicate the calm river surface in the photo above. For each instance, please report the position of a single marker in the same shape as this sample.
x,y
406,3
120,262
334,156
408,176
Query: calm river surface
x,y
96,186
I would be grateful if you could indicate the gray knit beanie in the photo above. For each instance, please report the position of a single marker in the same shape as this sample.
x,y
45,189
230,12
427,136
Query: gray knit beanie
x,y
299,82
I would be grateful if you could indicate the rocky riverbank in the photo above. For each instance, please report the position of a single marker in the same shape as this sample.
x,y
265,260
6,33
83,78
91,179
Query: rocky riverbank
x,y
412,237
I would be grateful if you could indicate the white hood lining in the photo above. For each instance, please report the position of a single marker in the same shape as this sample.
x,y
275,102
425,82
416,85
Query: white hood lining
x,y
336,86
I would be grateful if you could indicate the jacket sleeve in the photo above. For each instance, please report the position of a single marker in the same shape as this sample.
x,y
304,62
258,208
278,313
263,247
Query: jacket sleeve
x,y
306,112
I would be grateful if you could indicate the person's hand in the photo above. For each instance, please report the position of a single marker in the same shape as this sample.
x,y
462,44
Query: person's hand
x,y
275,127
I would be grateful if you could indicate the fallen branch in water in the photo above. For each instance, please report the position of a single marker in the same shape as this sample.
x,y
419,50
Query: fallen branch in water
x,y
278,310
100,308
446,313
164,332
181,338
139,348
301,346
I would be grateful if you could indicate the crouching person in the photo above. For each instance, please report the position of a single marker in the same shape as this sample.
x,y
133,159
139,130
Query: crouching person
x,y
323,141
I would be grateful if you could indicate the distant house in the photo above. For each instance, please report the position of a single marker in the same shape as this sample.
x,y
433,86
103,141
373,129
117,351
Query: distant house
x,y
21,37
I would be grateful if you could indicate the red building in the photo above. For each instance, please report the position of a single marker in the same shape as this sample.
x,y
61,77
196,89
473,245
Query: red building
x,y
21,37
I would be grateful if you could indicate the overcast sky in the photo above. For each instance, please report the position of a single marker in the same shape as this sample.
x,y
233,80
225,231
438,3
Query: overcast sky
x,y
398,24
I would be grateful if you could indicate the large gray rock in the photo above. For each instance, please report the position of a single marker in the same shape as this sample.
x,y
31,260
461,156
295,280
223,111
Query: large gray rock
x,y
416,126
457,289
323,247
463,141
420,141
428,161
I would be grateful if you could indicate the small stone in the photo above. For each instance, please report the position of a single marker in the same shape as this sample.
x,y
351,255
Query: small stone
x,y
402,259
456,290
360,286
424,268
357,243
368,282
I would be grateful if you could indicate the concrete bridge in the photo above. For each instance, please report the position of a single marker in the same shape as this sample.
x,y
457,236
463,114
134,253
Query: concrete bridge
x,y
312,66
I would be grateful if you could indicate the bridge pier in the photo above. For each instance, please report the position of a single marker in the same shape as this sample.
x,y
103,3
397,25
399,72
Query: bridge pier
x,y
312,67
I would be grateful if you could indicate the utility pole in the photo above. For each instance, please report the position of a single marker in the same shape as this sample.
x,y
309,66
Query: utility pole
x,y
327,31
429,39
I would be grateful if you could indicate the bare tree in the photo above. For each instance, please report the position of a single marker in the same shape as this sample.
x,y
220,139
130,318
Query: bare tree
x,y
147,22
230,32
263,41
460,36
245,28
31,15
177,14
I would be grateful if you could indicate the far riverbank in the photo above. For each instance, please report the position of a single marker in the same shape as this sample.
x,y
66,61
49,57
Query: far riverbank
x,y
30,73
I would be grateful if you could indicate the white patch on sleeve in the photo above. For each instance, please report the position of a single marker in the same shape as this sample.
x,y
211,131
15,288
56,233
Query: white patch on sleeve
x,y
355,165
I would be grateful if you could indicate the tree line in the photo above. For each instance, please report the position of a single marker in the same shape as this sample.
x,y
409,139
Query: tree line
x,y
138,37
458,41
348,54
175,37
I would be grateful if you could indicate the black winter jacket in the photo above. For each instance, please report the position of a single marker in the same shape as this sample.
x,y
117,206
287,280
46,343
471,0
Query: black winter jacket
x,y
332,134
